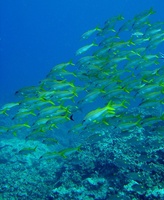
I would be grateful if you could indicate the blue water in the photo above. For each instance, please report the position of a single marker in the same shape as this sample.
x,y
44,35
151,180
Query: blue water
x,y
36,35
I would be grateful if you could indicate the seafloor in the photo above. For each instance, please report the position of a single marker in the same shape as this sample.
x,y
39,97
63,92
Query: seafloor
x,y
111,165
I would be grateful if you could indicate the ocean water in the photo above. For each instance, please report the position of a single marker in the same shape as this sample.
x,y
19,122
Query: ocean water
x,y
36,35
118,156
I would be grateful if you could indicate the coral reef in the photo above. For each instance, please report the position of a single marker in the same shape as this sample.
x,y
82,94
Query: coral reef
x,y
117,166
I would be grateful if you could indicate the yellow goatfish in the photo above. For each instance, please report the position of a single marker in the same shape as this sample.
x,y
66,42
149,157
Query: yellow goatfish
x,y
87,34
99,113
27,150
85,48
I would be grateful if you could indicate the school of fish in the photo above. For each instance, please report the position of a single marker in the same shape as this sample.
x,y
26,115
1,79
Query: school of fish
x,y
121,66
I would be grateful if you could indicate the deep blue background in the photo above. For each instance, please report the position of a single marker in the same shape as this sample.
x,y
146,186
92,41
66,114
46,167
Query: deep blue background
x,y
35,35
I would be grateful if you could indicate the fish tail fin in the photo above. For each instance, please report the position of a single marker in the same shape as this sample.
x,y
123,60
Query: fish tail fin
x,y
4,112
152,11
62,155
130,42
98,28
94,43
79,147
35,147
105,122
71,63
110,108
123,103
